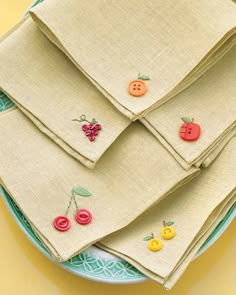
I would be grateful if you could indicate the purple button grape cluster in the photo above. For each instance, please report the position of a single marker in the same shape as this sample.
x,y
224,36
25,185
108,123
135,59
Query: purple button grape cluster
x,y
91,130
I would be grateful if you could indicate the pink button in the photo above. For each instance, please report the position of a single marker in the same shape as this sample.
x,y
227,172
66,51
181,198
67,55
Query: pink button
x,y
91,137
98,126
61,223
83,216
95,132
91,126
84,127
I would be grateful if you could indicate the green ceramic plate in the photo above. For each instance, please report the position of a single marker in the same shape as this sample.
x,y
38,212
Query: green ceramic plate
x,y
93,263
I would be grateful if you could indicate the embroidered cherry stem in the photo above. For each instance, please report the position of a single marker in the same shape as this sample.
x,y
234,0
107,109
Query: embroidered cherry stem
x,y
164,223
72,197
152,235
80,191
76,205
84,119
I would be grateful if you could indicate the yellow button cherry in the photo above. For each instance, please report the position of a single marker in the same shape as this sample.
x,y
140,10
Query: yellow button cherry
x,y
167,232
153,244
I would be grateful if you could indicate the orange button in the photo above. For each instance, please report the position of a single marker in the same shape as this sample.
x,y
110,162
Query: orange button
x,y
137,88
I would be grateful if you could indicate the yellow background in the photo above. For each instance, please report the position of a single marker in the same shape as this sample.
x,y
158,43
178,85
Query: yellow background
x,y
23,270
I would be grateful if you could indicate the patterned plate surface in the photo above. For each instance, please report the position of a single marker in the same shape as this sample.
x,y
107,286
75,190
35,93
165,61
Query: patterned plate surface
x,y
93,263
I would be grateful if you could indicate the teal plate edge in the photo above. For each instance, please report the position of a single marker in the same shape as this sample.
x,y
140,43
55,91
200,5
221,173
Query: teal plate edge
x,y
93,263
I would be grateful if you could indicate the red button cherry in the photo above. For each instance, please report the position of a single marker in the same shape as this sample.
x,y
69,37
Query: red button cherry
x,y
61,223
83,216
189,131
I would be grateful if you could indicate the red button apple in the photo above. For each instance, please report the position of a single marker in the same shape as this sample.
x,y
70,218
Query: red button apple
x,y
189,130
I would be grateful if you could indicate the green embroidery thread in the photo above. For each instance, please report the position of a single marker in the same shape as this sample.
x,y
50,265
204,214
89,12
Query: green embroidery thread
x,y
187,120
143,77
84,119
168,223
82,216
92,129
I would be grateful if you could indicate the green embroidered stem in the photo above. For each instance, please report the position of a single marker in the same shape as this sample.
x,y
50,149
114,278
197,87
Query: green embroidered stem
x,y
76,205
143,77
68,207
80,191
72,197
84,119
164,223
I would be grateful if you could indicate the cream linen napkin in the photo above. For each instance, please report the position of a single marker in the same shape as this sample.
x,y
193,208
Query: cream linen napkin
x,y
211,102
171,42
195,209
52,92
133,175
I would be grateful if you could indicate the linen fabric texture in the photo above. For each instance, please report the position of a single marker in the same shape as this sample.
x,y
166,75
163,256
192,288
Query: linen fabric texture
x,y
52,92
132,176
195,208
173,42
211,102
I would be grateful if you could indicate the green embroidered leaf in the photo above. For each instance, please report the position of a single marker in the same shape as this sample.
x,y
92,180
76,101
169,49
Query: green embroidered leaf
x,y
186,119
148,238
93,121
169,223
143,77
81,191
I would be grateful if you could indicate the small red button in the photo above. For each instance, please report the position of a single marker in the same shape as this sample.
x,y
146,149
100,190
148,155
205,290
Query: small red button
x,y
98,126
95,132
61,223
189,131
91,126
137,87
83,216
91,137
84,127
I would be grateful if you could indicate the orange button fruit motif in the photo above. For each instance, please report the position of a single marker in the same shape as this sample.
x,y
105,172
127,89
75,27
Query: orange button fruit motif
x,y
189,131
153,244
138,87
167,232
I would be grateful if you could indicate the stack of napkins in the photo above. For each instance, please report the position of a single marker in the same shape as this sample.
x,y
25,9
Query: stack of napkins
x,y
95,150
